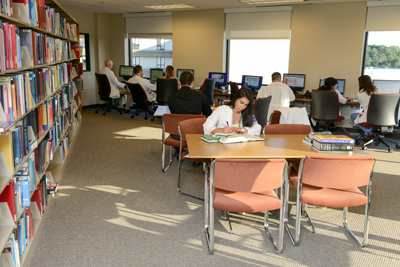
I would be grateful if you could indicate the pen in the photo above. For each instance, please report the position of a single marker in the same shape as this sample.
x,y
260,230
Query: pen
x,y
227,124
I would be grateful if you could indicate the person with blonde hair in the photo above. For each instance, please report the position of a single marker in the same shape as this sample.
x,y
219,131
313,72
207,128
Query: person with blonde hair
x,y
169,70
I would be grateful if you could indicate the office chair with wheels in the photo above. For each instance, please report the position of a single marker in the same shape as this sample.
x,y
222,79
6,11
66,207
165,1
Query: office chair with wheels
x,y
383,110
234,88
139,97
333,182
208,90
261,107
247,185
104,90
164,88
325,107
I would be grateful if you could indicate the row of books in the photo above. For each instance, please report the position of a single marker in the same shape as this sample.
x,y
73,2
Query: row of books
x,y
329,143
21,92
36,13
22,48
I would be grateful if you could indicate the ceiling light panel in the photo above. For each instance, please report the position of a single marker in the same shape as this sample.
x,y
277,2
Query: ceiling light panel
x,y
260,2
180,6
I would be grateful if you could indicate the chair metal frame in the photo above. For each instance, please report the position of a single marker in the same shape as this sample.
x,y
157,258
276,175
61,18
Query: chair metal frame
x,y
209,212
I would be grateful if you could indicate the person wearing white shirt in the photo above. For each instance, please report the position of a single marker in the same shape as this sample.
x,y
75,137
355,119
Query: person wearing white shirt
x,y
281,94
148,87
330,84
117,88
365,89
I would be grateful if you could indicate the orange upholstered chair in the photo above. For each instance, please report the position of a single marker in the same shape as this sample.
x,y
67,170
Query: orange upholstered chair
x,y
170,125
333,181
191,126
247,185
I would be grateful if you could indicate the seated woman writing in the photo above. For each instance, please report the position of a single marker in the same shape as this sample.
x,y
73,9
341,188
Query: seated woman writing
x,y
237,116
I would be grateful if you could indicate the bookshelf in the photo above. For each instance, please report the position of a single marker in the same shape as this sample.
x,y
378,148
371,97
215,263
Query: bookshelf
x,y
40,115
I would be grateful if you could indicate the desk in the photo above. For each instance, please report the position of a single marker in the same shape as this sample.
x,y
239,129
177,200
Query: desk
x,y
161,110
275,146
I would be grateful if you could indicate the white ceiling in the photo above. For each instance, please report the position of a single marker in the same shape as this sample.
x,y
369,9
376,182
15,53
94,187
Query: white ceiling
x,y
128,6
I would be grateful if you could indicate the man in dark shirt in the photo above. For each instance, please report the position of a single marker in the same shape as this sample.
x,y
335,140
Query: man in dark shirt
x,y
186,100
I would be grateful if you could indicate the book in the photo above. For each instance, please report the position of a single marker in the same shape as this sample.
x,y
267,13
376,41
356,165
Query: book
x,y
333,146
237,138
330,138
209,139
52,188
332,151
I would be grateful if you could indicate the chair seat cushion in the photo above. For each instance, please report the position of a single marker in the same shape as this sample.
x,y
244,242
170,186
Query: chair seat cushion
x,y
169,141
331,198
245,201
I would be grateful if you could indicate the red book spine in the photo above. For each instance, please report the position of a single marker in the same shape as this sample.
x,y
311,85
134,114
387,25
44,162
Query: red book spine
x,y
8,196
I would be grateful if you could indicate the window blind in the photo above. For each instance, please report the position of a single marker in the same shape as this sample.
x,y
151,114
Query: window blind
x,y
149,25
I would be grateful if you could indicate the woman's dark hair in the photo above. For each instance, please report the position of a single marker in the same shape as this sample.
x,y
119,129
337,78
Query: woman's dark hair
x,y
247,114
365,85
330,81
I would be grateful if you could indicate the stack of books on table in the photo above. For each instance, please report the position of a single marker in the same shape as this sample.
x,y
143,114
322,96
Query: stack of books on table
x,y
326,142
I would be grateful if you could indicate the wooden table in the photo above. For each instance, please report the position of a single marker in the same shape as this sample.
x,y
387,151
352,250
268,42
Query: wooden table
x,y
275,146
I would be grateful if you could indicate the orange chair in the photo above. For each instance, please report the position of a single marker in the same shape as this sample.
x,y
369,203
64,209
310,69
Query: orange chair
x,y
275,117
192,126
333,181
247,185
170,125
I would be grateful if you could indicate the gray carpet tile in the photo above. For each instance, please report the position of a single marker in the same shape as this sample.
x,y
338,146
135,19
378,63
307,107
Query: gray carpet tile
x,y
115,207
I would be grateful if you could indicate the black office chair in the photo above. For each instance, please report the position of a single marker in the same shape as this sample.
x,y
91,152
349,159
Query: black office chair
x,y
139,97
104,90
208,90
383,110
234,88
164,88
261,107
325,107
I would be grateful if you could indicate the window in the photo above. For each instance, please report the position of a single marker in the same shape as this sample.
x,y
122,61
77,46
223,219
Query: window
x,y
258,58
151,53
382,55
85,58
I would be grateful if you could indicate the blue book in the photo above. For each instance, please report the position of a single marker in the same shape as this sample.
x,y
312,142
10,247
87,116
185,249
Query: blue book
x,y
26,197
21,236
31,168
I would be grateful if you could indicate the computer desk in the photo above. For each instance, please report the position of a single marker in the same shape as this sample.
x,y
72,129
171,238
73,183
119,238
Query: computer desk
x,y
274,146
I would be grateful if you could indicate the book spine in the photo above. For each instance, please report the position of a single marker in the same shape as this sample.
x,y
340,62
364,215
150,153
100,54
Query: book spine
x,y
335,141
333,146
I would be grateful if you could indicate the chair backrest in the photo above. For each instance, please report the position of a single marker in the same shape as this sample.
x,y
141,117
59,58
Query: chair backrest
x,y
138,94
234,88
287,129
336,171
325,105
170,121
103,84
249,175
261,107
275,117
383,110
164,88
208,90
191,126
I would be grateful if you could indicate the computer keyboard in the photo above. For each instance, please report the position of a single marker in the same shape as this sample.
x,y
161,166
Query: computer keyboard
x,y
298,95
220,90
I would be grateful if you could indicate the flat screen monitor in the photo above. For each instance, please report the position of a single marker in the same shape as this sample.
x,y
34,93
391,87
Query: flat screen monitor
x,y
252,82
339,86
179,72
126,71
295,81
219,77
156,73
389,87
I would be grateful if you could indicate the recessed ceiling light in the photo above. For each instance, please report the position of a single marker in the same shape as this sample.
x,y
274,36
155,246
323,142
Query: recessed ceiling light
x,y
171,6
258,2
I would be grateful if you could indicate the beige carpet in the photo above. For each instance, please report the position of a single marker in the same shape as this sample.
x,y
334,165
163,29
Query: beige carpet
x,y
115,207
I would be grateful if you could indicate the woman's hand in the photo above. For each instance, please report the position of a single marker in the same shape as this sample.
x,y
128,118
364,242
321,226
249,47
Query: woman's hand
x,y
241,130
227,130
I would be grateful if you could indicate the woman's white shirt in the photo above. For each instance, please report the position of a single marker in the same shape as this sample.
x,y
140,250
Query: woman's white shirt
x,y
363,99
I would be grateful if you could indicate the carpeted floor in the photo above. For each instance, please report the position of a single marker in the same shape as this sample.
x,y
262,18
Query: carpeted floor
x,y
115,207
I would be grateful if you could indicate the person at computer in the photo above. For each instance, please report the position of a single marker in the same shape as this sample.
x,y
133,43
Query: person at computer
x,y
237,116
365,89
330,84
281,93
118,89
148,87
169,70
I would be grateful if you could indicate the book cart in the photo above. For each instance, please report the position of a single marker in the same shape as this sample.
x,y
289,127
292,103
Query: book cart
x,y
40,115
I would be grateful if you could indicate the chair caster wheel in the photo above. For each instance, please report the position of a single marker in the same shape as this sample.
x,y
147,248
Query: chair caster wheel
x,y
390,150
364,148
132,116
152,119
145,118
397,146
104,113
96,111
121,112
357,142
137,114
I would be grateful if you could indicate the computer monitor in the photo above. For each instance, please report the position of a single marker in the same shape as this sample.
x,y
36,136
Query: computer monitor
x,y
252,82
126,72
179,72
389,87
339,86
295,81
156,73
220,78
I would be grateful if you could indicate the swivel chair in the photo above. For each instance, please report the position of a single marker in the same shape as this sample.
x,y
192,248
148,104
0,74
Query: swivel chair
x,y
234,88
164,88
104,90
139,97
325,107
208,90
383,110
261,107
